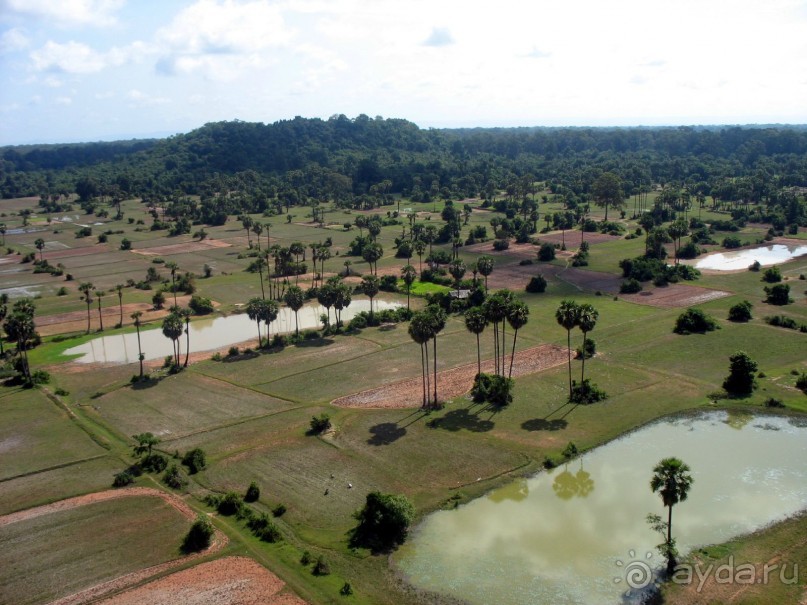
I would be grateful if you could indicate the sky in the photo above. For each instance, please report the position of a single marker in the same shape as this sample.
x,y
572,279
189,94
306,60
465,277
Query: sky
x,y
88,70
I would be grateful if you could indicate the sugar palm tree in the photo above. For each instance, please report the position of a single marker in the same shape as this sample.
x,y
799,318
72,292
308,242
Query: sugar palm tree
x,y
566,316
420,330
370,285
517,316
586,320
438,321
295,299
172,329
408,275
484,265
342,298
457,269
672,481
495,308
20,328
173,267
136,318
86,289
269,313
119,291
255,311
99,294
40,245
475,323
185,314
420,249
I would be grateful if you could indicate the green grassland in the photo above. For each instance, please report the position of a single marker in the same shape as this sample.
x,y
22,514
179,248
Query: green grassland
x,y
251,414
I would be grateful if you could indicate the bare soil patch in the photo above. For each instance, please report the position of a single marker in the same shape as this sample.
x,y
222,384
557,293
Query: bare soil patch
x,y
83,251
573,238
675,296
454,382
184,248
227,581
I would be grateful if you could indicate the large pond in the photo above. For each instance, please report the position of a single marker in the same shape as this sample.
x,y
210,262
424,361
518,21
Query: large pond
x,y
570,536
209,334
742,259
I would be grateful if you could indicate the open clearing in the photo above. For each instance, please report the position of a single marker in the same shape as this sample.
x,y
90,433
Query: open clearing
x,y
183,248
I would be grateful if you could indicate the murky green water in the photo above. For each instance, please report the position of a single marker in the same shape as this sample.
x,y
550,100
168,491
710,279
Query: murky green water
x,y
209,334
567,536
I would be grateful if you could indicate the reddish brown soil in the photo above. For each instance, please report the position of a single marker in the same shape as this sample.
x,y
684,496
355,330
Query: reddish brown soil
x,y
228,581
452,383
184,248
674,296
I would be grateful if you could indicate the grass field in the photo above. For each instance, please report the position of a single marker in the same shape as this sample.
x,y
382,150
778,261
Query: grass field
x,y
251,414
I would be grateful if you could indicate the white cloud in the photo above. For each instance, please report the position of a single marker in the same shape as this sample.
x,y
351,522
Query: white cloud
x,y
66,12
440,36
78,58
63,100
13,40
141,99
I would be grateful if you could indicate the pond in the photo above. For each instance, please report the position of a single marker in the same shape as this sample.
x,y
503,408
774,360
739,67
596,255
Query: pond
x,y
568,536
742,259
209,334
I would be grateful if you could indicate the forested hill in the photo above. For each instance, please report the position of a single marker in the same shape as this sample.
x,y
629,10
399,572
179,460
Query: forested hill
x,y
342,157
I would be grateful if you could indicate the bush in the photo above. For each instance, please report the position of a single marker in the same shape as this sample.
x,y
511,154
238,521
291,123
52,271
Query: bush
x,y
230,504
586,392
732,241
346,590
755,266
125,244
40,377
537,284
772,275
630,286
591,350
61,291
321,567
173,477
801,382
778,295
199,535
194,460
740,312
320,424
253,493
383,521
388,283
695,320
742,370
233,352
201,305
306,558
501,244
279,510
263,529
547,252
494,389
123,479
155,463
689,250
772,402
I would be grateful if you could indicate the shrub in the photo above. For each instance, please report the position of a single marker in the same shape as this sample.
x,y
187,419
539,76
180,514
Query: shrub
x,y
173,477
199,535
200,305
321,567
346,590
537,284
586,392
694,320
778,294
40,377
494,389
233,352
772,275
591,349
279,510
123,479
732,241
305,559
740,312
755,266
320,424
630,286
772,402
194,460
801,382
689,250
230,504
62,392
782,321
742,370
570,451
383,521
253,493
154,463
125,244
547,252
263,529
501,244
158,300
388,283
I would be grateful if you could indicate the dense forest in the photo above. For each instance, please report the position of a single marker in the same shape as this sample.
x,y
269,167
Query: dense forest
x,y
250,167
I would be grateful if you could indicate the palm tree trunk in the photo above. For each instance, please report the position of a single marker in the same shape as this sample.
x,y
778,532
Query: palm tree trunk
x,y
435,368
187,343
504,346
513,355
569,352
139,351
423,374
88,317
296,324
263,293
100,316
583,367
478,356
120,302
495,347
428,380
259,333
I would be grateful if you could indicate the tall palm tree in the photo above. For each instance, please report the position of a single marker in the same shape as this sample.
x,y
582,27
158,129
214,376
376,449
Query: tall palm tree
x,y
475,323
255,311
420,249
495,311
20,329
269,313
40,245
86,289
342,299
172,329
173,267
257,229
296,249
408,275
672,481
136,318
119,290
246,223
517,316
484,265
295,299
586,320
185,314
566,316
420,330
457,269
370,285
437,316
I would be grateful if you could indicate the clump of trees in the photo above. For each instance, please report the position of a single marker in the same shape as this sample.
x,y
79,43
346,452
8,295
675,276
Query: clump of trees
x,y
741,312
571,315
741,380
695,321
199,535
383,522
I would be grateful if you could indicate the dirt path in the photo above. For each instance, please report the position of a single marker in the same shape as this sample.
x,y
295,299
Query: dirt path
x,y
454,382
227,581
100,590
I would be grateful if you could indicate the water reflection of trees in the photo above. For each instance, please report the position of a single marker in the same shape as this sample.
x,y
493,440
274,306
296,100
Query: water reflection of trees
x,y
568,485
517,491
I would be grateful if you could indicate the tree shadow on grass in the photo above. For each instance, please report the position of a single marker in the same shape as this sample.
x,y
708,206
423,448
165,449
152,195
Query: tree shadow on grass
x,y
457,420
147,382
385,433
315,342
542,424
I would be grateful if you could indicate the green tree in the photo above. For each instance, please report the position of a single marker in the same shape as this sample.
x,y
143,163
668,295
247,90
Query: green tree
x,y
255,311
185,314
199,535
140,356
457,270
173,267
484,265
517,316
20,329
778,295
495,308
372,253
295,299
475,323
567,316
587,317
119,291
370,285
607,191
86,289
742,373
408,276
420,330
40,245
677,230
145,444
420,249
438,318
383,521
172,329
672,482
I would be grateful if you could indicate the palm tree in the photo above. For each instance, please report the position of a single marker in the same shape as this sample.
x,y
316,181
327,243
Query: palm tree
x,y
136,317
586,320
484,265
259,264
99,294
517,316
566,316
370,285
173,267
295,299
172,328
257,229
186,315
326,296
342,299
324,254
296,249
475,323
20,328
246,223
420,330
86,289
119,290
420,249
3,313
3,229
437,316
495,309
269,313
40,245
372,253
408,275
672,481
255,311
457,269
